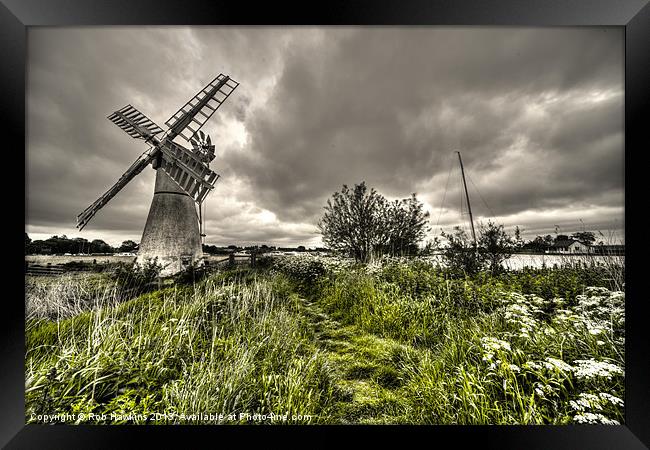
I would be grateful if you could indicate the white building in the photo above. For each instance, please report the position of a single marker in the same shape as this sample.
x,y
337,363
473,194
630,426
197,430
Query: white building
x,y
570,246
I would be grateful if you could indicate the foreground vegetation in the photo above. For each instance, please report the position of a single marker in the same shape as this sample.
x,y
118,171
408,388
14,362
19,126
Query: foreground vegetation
x,y
312,340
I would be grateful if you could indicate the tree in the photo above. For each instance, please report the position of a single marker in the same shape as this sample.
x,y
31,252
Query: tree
x,y
460,255
496,245
99,246
61,244
539,244
518,238
430,247
360,222
493,247
128,246
407,222
354,222
586,237
81,245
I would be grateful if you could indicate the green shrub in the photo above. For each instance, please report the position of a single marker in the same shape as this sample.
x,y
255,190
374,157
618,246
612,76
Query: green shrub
x,y
138,277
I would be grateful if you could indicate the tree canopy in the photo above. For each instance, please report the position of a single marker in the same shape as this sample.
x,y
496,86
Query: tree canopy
x,y
493,247
363,224
63,244
586,237
496,245
128,246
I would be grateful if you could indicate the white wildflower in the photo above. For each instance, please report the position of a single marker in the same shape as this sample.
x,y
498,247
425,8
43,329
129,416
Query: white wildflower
x,y
596,331
558,364
611,399
594,418
532,365
586,401
492,344
590,368
544,390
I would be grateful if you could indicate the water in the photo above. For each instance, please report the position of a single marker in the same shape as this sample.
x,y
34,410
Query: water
x,y
519,261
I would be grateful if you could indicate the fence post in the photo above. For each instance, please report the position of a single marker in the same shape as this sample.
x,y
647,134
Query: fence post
x,y
253,259
231,259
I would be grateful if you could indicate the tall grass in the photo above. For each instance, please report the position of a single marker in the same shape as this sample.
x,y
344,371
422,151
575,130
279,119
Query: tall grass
x,y
217,347
395,341
68,295
533,346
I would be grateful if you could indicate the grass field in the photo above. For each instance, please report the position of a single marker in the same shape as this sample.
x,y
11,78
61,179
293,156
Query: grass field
x,y
320,340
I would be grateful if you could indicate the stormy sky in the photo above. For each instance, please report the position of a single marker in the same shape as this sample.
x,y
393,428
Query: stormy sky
x,y
537,114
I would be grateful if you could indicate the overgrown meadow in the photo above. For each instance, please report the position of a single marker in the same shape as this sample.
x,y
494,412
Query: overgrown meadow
x,y
310,340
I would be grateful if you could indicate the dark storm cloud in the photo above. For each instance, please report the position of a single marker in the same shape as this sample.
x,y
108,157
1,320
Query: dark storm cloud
x,y
536,113
389,105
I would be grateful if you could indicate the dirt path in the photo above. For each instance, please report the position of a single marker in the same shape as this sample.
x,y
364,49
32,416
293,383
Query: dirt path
x,y
369,370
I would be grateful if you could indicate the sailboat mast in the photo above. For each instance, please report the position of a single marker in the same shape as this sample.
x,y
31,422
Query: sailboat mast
x,y
469,206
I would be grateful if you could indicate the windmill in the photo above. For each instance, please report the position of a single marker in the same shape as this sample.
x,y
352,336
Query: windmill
x,y
173,232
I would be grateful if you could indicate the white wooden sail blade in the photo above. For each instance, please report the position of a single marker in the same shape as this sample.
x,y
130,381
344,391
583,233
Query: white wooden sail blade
x,y
187,170
134,123
189,119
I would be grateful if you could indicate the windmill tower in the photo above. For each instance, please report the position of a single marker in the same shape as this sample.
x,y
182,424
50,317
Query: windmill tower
x,y
172,233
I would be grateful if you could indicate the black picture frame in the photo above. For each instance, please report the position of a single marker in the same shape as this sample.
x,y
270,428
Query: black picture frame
x,y
633,15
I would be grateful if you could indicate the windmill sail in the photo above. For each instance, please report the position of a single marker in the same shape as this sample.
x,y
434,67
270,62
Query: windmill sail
x,y
134,123
138,166
196,112
187,170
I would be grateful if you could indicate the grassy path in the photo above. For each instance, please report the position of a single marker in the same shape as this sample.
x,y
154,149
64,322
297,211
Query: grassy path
x,y
369,370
